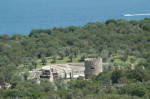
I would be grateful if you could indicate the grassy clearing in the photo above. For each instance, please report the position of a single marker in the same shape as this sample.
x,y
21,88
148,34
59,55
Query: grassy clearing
x,y
58,61
116,61
130,60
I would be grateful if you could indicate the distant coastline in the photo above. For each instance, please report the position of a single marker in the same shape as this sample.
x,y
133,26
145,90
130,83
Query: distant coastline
x,y
21,16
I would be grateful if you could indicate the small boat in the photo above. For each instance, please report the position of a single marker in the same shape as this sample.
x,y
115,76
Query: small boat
x,y
127,15
135,14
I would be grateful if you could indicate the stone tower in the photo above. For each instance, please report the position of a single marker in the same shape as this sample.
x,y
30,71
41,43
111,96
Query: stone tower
x,y
93,66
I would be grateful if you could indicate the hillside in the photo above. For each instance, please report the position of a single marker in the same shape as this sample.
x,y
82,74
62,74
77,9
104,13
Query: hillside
x,y
119,42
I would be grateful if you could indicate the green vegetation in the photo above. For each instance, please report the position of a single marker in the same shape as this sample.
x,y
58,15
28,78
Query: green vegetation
x,y
125,60
120,84
119,41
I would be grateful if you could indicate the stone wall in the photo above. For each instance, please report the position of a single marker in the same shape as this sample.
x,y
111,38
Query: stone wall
x,y
93,66
76,64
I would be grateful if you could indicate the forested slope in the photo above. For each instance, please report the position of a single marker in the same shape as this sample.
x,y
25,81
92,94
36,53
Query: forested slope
x,y
113,37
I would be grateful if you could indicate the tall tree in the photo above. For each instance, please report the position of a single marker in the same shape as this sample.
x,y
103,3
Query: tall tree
x,y
34,63
71,56
54,58
43,60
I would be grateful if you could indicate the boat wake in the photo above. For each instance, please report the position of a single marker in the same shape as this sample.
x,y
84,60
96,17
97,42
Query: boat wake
x,y
135,14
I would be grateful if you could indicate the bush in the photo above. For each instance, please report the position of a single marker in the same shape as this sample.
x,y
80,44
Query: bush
x,y
116,75
138,92
104,78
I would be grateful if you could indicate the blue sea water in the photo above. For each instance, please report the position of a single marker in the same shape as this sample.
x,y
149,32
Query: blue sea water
x,y
21,16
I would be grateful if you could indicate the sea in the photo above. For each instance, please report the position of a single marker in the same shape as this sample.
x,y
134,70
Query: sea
x,y
21,16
